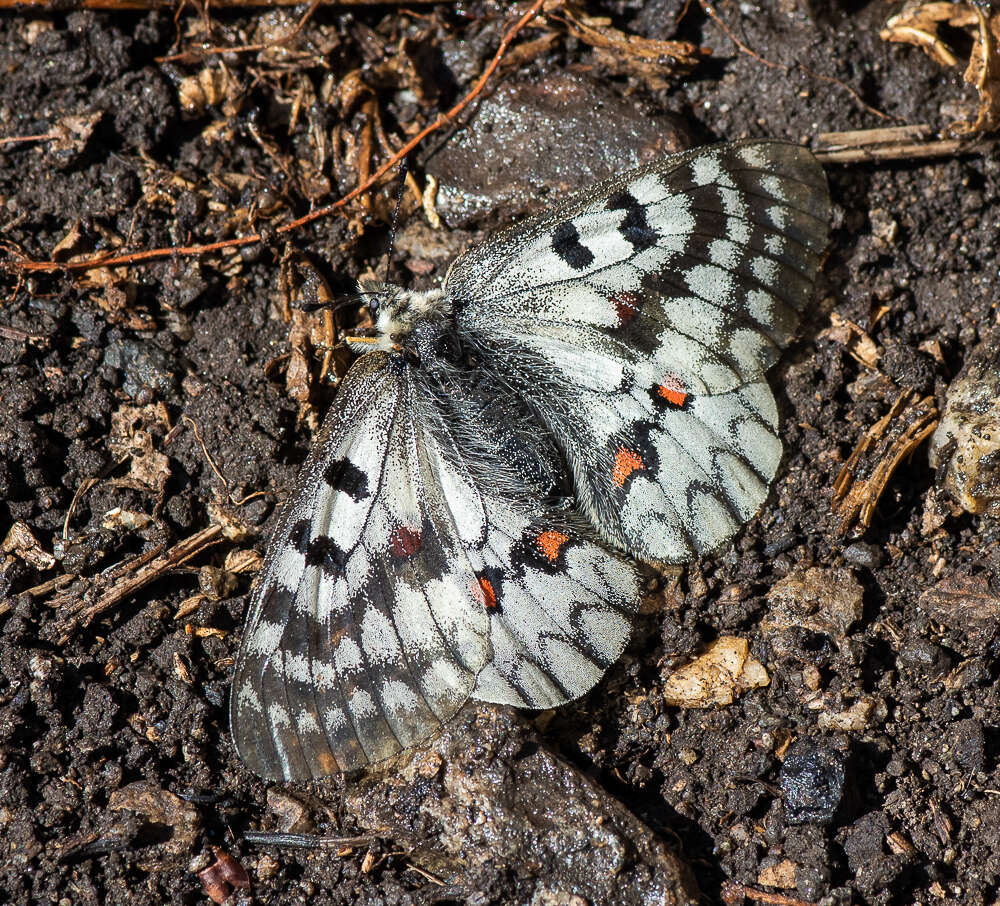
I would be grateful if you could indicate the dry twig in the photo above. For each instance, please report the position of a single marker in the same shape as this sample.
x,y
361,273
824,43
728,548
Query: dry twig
x,y
864,477
131,576
891,143
733,894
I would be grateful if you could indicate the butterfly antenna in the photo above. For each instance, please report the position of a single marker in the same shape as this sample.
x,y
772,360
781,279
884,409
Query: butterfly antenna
x,y
395,217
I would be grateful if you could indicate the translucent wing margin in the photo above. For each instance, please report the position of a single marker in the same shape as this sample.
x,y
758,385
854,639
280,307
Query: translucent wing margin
x,y
397,586
637,320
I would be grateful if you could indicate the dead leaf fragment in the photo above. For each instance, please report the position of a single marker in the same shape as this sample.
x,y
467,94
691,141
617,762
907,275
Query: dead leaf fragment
x,y
828,601
22,544
780,875
965,603
965,449
725,671
857,717
861,347
160,807
224,876
647,58
132,432
292,814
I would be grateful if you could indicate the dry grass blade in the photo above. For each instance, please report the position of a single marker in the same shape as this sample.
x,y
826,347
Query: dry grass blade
x,y
892,143
864,477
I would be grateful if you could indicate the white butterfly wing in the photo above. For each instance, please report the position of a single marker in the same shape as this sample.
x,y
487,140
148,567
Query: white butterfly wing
x,y
397,586
637,320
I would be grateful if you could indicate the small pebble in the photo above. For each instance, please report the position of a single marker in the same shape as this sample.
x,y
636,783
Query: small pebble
x,y
812,783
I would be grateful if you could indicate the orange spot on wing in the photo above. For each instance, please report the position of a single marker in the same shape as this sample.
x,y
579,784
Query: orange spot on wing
x,y
488,594
550,543
673,395
327,763
626,462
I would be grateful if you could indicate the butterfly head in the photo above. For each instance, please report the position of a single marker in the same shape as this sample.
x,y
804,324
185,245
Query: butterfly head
x,y
401,318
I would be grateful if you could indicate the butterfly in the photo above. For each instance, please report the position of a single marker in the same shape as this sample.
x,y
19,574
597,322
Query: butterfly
x,y
585,389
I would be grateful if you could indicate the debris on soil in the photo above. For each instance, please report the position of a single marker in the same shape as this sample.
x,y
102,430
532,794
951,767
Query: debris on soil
x,y
965,604
723,672
919,23
860,716
965,448
177,821
815,599
655,62
778,874
22,544
893,438
223,877
861,347
893,143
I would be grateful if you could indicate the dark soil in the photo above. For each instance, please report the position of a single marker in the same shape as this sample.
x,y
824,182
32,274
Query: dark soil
x,y
866,771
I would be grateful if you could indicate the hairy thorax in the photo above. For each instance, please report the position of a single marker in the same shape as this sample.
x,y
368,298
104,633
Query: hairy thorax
x,y
417,325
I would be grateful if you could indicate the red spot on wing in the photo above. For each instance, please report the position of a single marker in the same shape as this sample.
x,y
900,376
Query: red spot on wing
x,y
487,593
405,542
626,307
626,462
550,544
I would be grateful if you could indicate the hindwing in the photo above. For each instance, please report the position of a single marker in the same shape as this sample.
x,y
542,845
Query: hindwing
x,y
637,319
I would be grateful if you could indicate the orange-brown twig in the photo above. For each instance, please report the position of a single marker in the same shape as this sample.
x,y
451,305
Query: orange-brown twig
x,y
733,893
191,250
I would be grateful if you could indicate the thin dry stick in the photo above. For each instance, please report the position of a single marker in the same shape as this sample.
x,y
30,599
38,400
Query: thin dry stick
x,y
135,578
733,892
191,250
44,137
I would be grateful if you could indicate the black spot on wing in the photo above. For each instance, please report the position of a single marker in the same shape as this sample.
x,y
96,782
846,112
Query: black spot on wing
x,y
635,229
298,535
325,553
343,475
566,244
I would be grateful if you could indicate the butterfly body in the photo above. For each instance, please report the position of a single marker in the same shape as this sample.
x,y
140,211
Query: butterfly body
x,y
584,385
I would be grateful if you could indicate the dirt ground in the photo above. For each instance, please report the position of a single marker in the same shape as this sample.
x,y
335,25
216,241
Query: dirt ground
x,y
156,400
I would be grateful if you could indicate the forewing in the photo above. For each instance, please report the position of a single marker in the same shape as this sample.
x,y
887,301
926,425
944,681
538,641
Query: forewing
x,y
398,584
360,641
637,321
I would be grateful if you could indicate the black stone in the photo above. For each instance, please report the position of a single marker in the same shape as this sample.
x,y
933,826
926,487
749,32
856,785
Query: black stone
x,y
812,782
